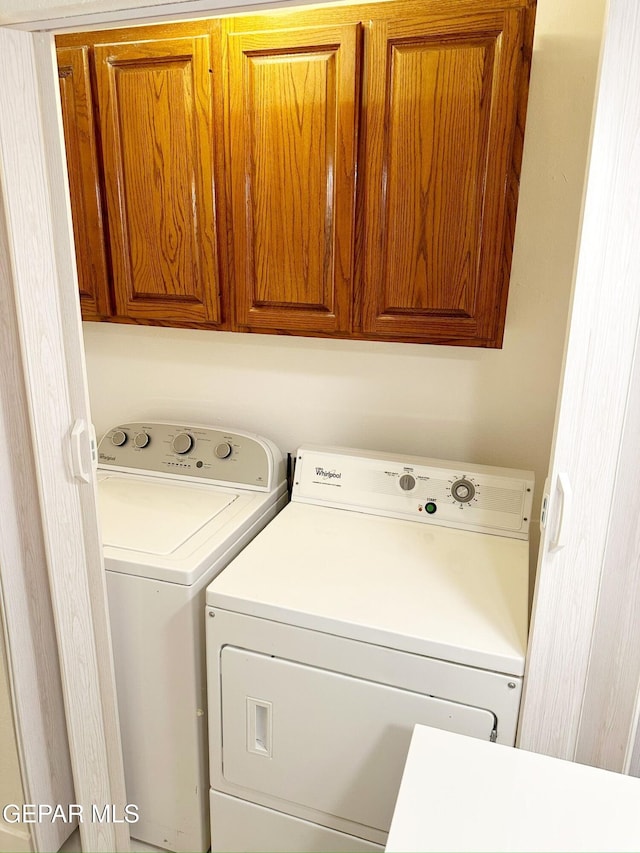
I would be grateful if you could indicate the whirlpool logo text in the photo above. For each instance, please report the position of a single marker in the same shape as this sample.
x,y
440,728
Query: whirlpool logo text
x,y
328,475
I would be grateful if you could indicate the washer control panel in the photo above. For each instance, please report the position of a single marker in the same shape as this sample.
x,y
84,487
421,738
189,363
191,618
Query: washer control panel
x,y
211,455
452,494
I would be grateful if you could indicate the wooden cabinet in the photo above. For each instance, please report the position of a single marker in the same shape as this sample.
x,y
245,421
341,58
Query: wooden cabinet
x,y
346,171
84,183
442,107
156,119
162,146
293,105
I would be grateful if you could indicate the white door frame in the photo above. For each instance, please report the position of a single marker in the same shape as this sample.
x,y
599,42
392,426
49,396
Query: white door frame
x,y
564,712
30,639
609,727
57,510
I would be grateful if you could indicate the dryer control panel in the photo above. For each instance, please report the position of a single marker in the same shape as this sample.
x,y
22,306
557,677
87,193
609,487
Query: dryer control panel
x,y
211,455
451,494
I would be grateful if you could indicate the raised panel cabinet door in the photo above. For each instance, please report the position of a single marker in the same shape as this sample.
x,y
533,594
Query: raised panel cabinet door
x,y
293,102
441,162
156,107
84,181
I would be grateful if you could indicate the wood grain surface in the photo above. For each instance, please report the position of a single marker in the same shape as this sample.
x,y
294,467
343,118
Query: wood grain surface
x,y
365,163
583,664
293,143
441,109
155,105
84,181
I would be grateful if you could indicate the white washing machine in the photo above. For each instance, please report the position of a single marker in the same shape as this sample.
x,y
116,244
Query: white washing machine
x,y
390,591
176,503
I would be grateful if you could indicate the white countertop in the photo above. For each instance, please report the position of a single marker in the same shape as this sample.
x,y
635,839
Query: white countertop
x,y
459,793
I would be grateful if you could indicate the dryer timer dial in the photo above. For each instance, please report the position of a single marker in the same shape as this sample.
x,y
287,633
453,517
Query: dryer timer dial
x,y
463,490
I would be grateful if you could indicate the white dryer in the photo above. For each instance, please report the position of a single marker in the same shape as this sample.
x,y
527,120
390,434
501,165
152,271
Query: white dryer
x,y
176,503
391,591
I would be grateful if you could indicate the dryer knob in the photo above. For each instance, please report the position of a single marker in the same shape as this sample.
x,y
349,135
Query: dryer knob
x,y
141,440
407,482
463,490
118,437
182,443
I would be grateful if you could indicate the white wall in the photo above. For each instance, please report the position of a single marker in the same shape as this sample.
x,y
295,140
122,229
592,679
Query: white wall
x,y
488,406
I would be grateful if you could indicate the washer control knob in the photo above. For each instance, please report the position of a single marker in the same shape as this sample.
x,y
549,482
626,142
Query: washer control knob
x,y
463,490
223,450
407,482
141,439
182,443
118,437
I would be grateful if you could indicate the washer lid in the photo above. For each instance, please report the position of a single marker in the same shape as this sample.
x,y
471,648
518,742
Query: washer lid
x,y
152,516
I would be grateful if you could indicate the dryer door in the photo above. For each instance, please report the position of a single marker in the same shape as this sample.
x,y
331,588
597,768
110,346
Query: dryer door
x,y
321,741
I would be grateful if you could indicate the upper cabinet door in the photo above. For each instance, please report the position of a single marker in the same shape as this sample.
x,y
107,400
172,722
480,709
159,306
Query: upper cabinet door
x,y
444,98
293,122
84,182
156,106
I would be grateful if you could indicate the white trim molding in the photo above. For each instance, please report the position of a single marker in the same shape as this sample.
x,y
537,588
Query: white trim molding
x,y
50,365
592,412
